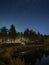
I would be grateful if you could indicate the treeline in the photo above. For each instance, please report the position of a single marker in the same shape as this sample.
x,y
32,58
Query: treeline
x,y
9,34
30,35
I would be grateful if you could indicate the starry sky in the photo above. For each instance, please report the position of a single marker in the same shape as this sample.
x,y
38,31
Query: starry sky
x,y
32,14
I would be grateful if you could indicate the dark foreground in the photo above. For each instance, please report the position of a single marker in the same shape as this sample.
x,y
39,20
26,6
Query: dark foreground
x,y
12,54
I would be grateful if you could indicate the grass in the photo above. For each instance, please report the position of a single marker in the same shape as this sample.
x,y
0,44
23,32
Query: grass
x,y
7,57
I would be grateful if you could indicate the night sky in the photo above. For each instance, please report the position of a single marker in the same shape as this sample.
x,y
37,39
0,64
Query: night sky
x,y
32,14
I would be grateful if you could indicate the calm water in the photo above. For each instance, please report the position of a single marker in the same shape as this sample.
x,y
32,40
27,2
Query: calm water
x,y
44,61
28,55
35,57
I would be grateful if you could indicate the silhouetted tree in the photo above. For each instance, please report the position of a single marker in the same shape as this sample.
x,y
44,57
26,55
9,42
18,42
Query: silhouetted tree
x,y
42,38
32,35
12,33
38,36
21,35
26,33
18,34
3,34
45,36
0,36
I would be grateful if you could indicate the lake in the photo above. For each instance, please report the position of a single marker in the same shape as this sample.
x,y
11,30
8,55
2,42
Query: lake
x,y
36,57
28,55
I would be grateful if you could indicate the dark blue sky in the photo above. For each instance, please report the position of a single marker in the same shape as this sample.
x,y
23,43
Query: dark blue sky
x,y
32,14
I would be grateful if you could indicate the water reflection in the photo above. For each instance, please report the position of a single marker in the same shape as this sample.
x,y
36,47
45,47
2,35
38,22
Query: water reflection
x,y
24,56
36,58
44,61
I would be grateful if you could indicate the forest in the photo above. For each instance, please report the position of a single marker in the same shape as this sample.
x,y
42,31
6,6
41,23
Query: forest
x,y
27,36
